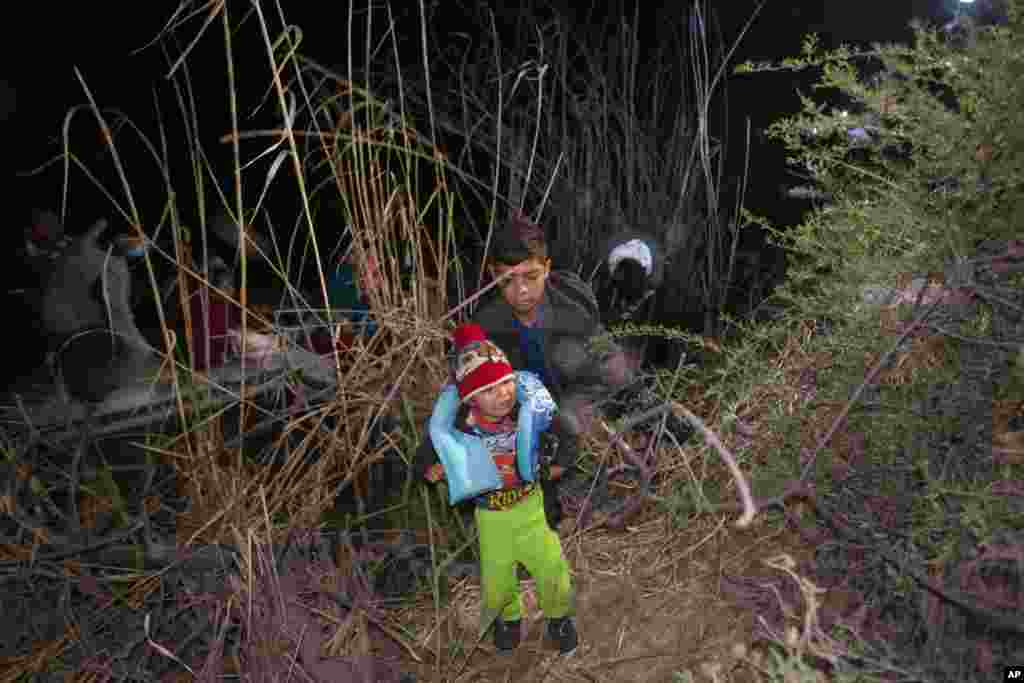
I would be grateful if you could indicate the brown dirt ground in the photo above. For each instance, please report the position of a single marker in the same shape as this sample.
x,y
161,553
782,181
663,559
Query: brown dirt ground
x,y
648,605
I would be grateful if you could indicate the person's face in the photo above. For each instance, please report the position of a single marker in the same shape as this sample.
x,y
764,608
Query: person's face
x,y
497,401
523,288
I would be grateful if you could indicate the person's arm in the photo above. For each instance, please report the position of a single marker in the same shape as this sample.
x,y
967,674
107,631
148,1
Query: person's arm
x,y
426,463
563,464
596,357
425,458
615,368
592,361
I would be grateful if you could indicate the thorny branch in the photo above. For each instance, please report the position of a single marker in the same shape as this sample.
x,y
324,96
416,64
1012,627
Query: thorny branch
x,y
868,380
746,499
747,503
1001,620
802,488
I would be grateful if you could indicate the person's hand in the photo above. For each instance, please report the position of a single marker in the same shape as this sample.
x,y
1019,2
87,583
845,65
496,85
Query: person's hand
x,y
620,368
555,472
435,472
579,413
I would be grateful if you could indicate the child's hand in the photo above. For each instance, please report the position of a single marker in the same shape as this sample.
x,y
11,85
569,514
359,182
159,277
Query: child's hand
x,y
555,472
435,472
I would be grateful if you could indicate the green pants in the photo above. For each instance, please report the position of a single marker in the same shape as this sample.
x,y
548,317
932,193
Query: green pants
x,y
521,535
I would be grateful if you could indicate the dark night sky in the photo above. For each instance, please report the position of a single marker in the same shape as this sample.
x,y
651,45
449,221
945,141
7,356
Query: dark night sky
x,y
102,38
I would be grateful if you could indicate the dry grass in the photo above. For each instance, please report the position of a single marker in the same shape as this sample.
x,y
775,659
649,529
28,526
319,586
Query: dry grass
x,y
650,602
647,606
649,598
1008,441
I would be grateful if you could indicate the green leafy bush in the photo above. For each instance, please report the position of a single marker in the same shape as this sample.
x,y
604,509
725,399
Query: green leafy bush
x,y
930,164
916,158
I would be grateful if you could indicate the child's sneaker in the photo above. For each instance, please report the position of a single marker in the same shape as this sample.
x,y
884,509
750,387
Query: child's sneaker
x,y
563,632
506,634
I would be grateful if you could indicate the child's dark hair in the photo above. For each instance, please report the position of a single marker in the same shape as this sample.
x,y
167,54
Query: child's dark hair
x,y
520,240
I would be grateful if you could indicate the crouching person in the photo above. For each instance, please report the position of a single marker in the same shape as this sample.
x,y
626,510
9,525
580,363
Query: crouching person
x,y
632,271
486,431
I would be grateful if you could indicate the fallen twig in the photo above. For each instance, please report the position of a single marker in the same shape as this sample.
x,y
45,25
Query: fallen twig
x,y
83,550
618,520
742,487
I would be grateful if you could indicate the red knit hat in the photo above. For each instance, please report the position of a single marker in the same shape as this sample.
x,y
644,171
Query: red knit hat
x,y
479,364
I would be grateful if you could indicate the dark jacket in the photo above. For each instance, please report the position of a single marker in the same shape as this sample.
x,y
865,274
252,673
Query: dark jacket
x,y
576,348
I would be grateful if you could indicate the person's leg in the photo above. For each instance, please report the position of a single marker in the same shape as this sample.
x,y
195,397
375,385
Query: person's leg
x,y
559,447
540,551
498,580
553,511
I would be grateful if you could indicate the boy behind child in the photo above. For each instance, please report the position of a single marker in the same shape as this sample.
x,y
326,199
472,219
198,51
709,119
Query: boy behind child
x,y
489,451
